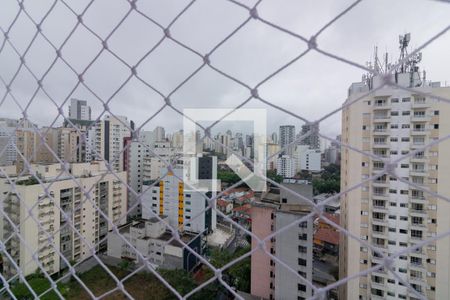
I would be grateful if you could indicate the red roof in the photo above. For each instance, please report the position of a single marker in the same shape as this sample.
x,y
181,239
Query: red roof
x,y
327,235
243,208
222,203
332,217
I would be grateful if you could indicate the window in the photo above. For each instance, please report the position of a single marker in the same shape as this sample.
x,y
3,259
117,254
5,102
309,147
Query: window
x,y
302,249
405,126
394,113
392,229
406,113
405,139
303,236
394,139
394,126
436,126
302,287
301,262
394,100
406,99
436,113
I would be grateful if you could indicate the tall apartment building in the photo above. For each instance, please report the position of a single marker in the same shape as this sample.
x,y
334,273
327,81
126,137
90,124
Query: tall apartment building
x,y
274,210
109,140
154,162
271,150
29,197
287,136
138,150
313,139
36,145
389,214
8,141
160,134
177,139
71,146
172,198
286,166
79,110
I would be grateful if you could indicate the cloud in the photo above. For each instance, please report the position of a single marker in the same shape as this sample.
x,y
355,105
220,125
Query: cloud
x,y
310,87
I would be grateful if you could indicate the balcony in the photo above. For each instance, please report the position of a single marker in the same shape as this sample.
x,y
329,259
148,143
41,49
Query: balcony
x,y
381,118
381,209
380,183
380,145
381,196
379,234
420,118
417,172
420,103
381,131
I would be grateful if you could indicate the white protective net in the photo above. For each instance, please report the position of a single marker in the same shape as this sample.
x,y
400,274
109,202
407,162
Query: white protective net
x,y
38,34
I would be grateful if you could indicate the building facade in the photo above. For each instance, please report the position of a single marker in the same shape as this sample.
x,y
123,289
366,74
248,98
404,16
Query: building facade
x,y
389,214
286,166
109,140
313,139
79,110
172,198
308,159
294,246
137,151
286,137
154,242
8,141
65,201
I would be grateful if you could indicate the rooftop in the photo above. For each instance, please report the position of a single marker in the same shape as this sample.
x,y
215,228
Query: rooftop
x,y
327,235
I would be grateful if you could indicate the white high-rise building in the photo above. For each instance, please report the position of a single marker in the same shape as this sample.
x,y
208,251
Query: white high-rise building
x,y
173,199
160,134
177,139
287,136
154,162
109,140
79,110
390,214
286,166
29,197
8,141
307,159
138,150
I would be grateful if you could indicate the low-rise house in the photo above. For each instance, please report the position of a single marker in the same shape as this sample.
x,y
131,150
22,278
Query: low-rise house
x,y
151,239
224,206
242,214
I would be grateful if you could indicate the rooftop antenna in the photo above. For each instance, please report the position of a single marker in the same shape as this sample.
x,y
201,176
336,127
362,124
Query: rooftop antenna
x,y
409,64
404,42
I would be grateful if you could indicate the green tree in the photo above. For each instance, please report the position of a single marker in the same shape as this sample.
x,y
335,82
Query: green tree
x,y
272,174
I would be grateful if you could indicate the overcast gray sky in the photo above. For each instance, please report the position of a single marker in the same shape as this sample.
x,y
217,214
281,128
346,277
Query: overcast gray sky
x,y
311,87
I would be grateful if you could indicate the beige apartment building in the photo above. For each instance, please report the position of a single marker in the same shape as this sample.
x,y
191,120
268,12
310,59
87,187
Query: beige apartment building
x,y
388,214
67,205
